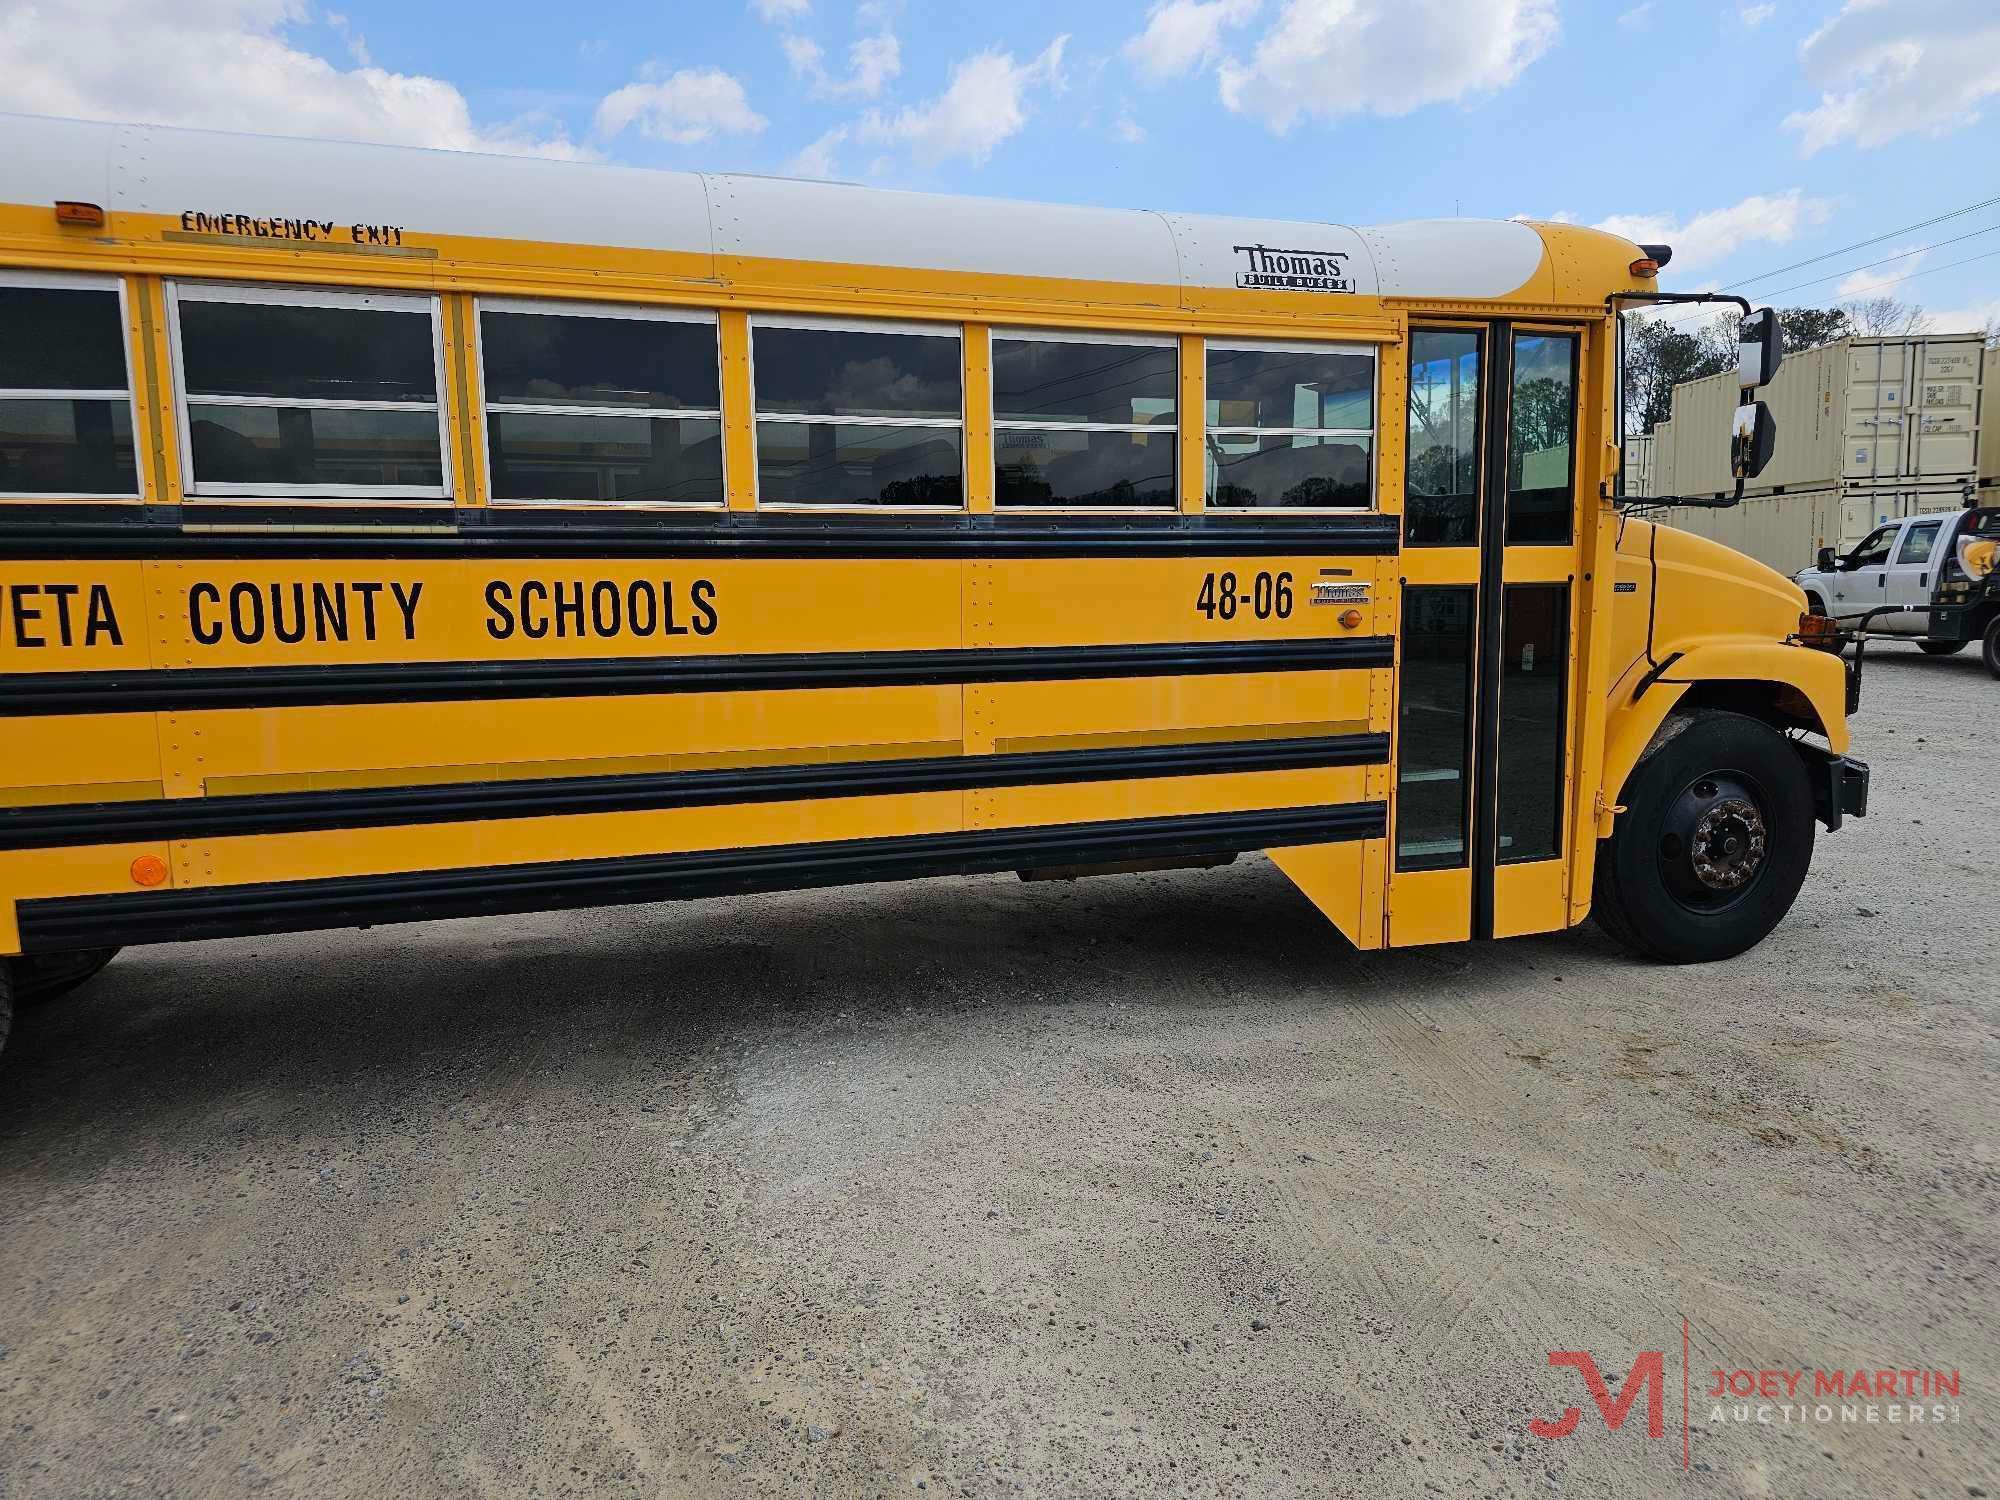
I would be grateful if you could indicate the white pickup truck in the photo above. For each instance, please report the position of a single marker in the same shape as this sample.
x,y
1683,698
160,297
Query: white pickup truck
x,y
1939,569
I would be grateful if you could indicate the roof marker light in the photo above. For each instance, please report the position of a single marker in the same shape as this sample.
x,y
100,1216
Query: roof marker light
x,y
84,215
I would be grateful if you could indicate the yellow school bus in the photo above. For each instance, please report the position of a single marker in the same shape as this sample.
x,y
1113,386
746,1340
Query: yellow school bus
x,y
390,534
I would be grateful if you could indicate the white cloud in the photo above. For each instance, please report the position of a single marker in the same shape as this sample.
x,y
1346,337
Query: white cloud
x,y
816,160
1182,35
1753,16
1127,130
683,108
781,10
1771,219
985,102
872,61
1638,18
1890,70
1973,317
226,65
1328,58
1879,275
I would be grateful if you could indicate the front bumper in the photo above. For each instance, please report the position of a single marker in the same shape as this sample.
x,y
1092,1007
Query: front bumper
x,y
1839,785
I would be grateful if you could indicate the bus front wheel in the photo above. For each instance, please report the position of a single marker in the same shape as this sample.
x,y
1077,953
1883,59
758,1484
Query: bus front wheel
x,y
1714,842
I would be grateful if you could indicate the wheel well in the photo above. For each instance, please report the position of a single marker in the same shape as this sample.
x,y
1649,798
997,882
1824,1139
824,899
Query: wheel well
x,y
1778,704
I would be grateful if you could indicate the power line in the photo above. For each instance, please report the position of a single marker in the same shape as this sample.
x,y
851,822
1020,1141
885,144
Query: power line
x,y
1867,266
1904,256
1797,265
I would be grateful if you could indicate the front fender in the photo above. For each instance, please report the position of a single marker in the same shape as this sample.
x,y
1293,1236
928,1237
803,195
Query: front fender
x,y
1806,686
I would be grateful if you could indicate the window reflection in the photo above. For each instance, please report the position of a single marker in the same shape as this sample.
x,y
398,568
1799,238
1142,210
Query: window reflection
x,y
1084,422
1540,436
858,416
1441,498
1290,426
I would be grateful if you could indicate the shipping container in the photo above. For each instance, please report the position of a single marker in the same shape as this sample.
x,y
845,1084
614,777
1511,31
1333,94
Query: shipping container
x,y
1869,430
1989,430
1639,478
1893,413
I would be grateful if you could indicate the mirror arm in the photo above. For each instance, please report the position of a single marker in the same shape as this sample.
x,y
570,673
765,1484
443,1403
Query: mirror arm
x,y
1649,298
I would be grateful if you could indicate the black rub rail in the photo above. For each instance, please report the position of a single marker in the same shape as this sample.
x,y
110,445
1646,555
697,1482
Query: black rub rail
x,y
79,824
64,922
185,689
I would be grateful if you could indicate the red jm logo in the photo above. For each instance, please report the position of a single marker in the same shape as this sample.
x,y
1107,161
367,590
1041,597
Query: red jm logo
x,y
1648,1373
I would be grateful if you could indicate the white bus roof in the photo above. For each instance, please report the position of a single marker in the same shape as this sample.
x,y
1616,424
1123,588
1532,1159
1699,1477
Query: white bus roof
x,y
145,169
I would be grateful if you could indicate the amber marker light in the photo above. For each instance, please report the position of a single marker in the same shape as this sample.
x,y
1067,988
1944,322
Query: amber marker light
x,y
149,870
1645,266
82,215
1350,618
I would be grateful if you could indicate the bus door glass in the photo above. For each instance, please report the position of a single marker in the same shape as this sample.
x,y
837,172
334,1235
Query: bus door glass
x,y
1488,569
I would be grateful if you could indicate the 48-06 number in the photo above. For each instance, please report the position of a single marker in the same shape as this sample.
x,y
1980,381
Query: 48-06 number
x,y
1269,596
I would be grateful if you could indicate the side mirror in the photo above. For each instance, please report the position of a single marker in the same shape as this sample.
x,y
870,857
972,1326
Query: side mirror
x,y
1753,439
1828,561
1760,346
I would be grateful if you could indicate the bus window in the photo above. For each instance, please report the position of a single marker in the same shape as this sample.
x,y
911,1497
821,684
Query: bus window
x,y
1084,420
65,389
1441,505
1541,426
1434,728
1291,425
1534,664
601,404
857,413
309,393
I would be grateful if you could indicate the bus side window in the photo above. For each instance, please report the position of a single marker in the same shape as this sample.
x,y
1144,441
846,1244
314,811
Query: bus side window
x,y
1290,425
1085,420
313,394
858,413
65,389
601,404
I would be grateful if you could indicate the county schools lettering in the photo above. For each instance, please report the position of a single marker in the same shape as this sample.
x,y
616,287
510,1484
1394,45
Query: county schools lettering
x,y
290,613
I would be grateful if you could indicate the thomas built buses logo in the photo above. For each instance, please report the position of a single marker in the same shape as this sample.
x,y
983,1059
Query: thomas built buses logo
x,y
1269,269
1868,1397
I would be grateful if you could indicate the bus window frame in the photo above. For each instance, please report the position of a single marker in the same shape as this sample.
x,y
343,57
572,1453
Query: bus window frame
x,y
443,495
83,281
637,311
1298,346
1088,336
954,328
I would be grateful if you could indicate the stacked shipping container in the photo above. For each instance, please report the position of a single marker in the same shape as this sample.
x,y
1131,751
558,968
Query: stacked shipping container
x,y
1869,429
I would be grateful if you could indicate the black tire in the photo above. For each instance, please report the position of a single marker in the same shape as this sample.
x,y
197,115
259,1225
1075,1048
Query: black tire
x,y
1942,648
49,976
1714,843
1989,649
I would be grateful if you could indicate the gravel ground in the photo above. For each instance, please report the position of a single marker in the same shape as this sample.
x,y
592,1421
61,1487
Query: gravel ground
x,y
1134,1186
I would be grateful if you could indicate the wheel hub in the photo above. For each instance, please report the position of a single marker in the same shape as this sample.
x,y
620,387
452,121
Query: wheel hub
x,y
1728,844
1715,841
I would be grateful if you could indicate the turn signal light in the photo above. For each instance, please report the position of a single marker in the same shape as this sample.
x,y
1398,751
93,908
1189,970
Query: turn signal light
x,y
1817,630
83,215
1351,618
1645,266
